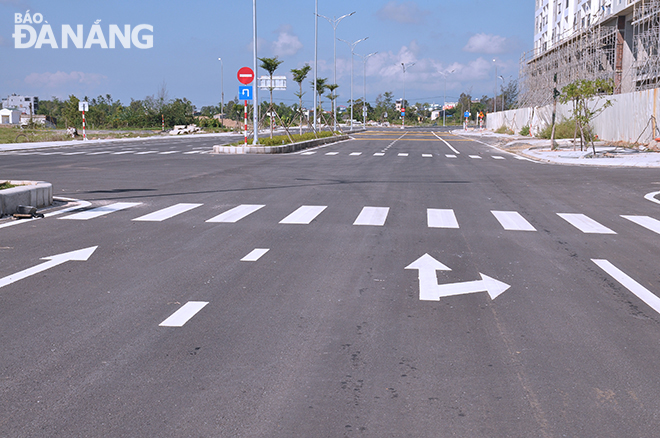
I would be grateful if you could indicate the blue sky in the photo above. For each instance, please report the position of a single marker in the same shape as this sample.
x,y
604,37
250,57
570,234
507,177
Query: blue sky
x,y
188,37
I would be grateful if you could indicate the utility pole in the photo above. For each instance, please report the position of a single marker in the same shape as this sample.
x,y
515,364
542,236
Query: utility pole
x,y
255,102
403,102
352,46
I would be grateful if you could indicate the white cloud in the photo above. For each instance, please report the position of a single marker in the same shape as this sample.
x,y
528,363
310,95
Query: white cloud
x,y
53,80
488,44
407,12
287,44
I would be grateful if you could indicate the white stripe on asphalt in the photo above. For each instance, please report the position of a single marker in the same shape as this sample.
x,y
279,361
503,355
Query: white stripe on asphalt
x,y
403,154
379,154
585,223
308,153
513,221
167,213
645,221
450,156
255,254
146,152
374,216
332,153
99,153
183,315
122,152
427,155
475,156
304,215
642,293
441,218
192,152
497,157
355,154
168,152
448,145
236,213
100,211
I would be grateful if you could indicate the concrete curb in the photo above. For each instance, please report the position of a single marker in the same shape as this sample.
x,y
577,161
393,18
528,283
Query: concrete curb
x,y
33,193
287,148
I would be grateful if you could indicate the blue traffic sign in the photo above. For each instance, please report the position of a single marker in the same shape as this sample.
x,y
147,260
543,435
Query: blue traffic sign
x,y
245,92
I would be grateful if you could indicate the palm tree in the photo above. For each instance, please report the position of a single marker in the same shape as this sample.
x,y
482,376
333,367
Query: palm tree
x,y
320,88
270,65
332,96
299,75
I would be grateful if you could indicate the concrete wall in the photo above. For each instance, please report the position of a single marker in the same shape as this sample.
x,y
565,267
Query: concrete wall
x,y
294,147
631,115
33,193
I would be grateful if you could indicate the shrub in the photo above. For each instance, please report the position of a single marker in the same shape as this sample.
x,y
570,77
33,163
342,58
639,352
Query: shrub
x,y
564,129
525,130
504,130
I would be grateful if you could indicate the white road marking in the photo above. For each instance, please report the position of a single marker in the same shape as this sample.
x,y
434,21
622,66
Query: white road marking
x,y
475,157
513,221
183,315
448,145
99,153
308,153
374,216
427,155
167,213
355,154
450,156
74,153
645,221
379,154
100,211
402,154
304,215
441,218
497,157
651,197
146,152
332,153
192,152
255,255
585,223
168,152
236,213
122,152
642,293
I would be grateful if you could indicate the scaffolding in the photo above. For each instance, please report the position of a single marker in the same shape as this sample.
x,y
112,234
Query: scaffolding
x,y
646,39
587,54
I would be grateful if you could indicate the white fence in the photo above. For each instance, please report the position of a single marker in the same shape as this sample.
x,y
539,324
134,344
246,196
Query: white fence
x,y
631,116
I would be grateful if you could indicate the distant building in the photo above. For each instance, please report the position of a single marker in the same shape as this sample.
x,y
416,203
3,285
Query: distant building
x,y
10,117
25,104
40,119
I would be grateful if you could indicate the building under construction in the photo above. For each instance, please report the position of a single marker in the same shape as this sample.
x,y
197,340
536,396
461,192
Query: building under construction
x,y
591,39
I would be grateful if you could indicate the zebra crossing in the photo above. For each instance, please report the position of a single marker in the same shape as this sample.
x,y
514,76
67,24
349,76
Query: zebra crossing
x,y
375,216
113,152
404,155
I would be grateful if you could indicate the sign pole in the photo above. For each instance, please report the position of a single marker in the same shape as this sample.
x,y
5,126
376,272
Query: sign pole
x,y
246,124
84,135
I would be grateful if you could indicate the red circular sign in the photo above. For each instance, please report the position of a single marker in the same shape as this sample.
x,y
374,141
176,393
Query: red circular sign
x,y
245,75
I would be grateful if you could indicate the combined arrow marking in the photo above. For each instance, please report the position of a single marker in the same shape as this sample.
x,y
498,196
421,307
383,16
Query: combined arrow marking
x,y
80,255
430,290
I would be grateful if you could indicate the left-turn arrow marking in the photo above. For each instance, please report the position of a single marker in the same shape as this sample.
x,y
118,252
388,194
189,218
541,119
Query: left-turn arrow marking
x,y
80,255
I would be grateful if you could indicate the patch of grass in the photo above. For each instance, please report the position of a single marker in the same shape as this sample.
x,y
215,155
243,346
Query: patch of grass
x,y
283,139
504,130
564,129
6,185
525,130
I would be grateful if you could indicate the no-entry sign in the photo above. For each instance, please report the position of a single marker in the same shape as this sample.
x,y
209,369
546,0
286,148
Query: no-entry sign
x,y
245,75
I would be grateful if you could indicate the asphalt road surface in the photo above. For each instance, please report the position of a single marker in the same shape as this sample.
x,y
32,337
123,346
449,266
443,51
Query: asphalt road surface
x,y
399,284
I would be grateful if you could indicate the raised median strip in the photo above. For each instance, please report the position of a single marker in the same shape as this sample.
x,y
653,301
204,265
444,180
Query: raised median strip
x,y
283,149
33,193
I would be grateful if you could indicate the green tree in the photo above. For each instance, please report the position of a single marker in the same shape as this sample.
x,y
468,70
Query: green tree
x,y
270,65
333,97
299,75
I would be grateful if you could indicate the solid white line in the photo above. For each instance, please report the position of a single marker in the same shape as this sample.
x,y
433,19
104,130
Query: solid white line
x,y
585,223
441,218
255,254
167,213
374,216
512,221
100,211
183,315
304,215
448,145
642,293
652,197
236,213
645,221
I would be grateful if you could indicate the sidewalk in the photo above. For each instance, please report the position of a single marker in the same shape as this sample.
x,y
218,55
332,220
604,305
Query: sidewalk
x,y
540,150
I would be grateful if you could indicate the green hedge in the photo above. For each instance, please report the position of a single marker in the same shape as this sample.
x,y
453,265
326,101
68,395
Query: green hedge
x,y
283,139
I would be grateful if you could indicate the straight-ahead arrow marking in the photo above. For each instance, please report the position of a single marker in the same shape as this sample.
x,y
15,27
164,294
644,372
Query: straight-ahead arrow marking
x,y
80,255
430,290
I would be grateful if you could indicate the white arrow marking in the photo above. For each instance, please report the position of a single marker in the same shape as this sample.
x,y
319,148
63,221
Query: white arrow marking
x,y
80,255
430,290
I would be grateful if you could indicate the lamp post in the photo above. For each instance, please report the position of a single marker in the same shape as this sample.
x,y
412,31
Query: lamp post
x,y
316,59
255,105
403,102
222,92
502,93
364,101
334,23
444,104
352,46
495,97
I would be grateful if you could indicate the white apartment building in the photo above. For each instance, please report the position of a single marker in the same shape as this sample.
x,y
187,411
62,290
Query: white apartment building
x,y
25,104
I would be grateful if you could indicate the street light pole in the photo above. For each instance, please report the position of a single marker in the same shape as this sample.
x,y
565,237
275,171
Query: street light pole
x,y
403,102
334,23
316,60
255,105
495,97
502,93
444,104
352,45
222,93
364,101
